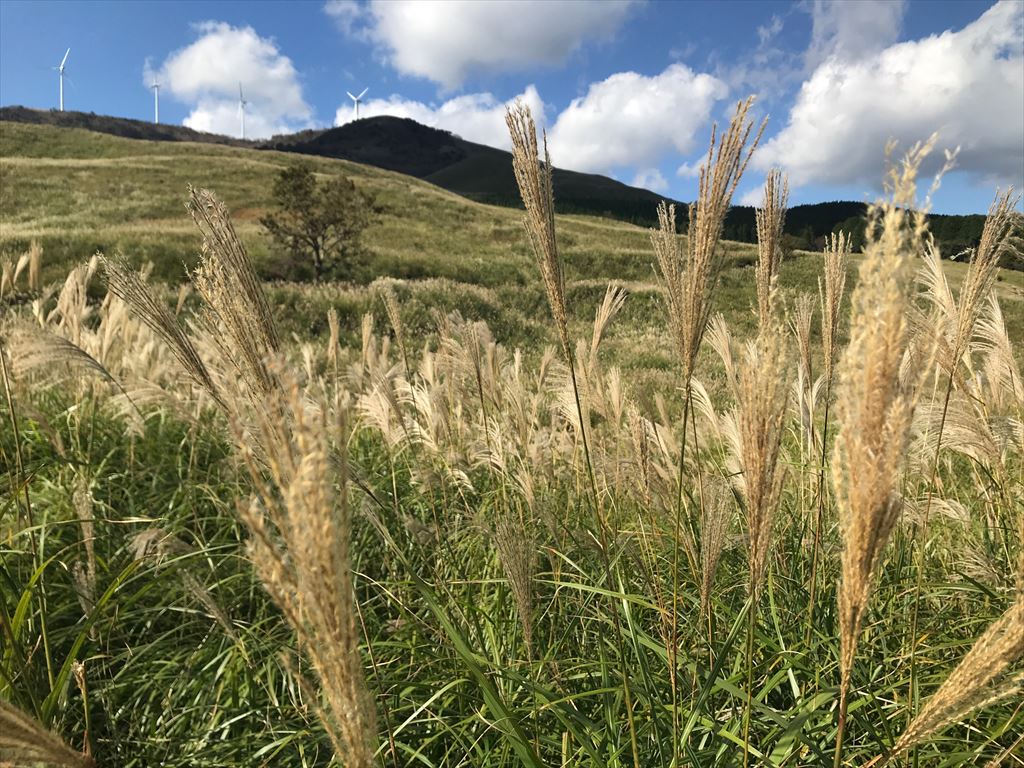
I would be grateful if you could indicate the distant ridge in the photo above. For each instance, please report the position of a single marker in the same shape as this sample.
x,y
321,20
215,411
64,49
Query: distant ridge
x,y
485,174
116,126
469,169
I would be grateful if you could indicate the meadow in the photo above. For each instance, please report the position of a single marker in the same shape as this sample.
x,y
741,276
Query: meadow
x,y
574,493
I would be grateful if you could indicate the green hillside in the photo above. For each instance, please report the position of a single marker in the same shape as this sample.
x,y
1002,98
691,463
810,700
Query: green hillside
x,y
484,174
77,192
231,540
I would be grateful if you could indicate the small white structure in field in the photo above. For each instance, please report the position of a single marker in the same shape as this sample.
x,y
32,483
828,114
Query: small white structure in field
x,y
156,100
241,108
60,74
357,99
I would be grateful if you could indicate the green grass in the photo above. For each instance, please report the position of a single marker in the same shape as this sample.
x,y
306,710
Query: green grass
x,y
187,658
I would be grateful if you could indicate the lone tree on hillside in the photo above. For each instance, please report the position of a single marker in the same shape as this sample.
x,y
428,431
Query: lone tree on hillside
x,y
322,220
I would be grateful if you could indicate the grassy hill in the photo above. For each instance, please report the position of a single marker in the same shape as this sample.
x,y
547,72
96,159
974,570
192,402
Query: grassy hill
x,y
484,173
77,192
209,560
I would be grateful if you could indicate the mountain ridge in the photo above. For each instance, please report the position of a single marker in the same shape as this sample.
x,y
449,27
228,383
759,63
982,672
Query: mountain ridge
x,y
484,174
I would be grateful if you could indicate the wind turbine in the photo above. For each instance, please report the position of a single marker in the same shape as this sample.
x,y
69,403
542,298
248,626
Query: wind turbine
x,y
357,99
156,100
60,74
241,109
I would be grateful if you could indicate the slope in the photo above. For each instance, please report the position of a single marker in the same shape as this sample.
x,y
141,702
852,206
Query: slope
x,y
76,192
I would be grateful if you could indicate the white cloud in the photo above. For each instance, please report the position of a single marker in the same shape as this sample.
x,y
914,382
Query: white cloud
x,y
853,30
752,197
689,170
633,121
478,117
767,32
448,40
650,178
346,14
967,85
207,74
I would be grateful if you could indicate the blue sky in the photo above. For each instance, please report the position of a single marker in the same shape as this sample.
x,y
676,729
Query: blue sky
x,y
629,89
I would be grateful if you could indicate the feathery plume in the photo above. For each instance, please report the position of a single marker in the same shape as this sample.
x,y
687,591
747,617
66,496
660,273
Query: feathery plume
x,y
534,179
761,401
300,526
129,286
875,403
387,294
690,278
836,257
771,218
236,310
24,740
803,314
35,266
984,677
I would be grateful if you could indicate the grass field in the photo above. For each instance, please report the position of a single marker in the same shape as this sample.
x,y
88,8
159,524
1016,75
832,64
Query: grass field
x,y
298,525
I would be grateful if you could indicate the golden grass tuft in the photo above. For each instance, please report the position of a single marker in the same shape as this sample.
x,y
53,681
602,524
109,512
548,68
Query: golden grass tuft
x,y
984,676
771,218
129,286
689,277
300,525
762,389
831,290
236,311
533,177
25,742
875,404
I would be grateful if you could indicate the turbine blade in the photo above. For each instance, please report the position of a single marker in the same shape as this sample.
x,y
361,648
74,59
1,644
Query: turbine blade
x,y
64,60
239,91
363,93
350,95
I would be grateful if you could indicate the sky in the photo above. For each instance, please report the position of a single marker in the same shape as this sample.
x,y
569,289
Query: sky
x,y
625,88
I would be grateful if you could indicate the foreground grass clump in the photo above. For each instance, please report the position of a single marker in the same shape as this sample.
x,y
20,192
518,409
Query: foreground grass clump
x,y
407,543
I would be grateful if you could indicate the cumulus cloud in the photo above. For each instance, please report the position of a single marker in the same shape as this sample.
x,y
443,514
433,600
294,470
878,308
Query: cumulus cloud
x,y
448,40
346,14
967,85
650,178
753,197
851,31
207,74
478,117
633,121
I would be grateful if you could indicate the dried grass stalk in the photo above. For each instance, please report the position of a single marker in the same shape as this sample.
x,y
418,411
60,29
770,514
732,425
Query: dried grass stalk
x,y
515,547
25,742
535,187
761,404
716,516
35,266
300,525
394,313
875,403
836,257
771,218
689,278
803,315
985,676
959,318
236,309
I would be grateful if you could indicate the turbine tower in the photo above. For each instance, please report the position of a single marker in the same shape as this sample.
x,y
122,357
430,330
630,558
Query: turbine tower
x,y
241,109
156,100
357,99
60,74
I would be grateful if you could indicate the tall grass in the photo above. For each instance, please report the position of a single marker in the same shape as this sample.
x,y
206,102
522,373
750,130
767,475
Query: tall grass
x,y
431,549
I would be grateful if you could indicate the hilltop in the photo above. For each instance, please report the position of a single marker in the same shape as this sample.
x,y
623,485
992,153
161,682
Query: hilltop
x,y
472,170
484,173
78,191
